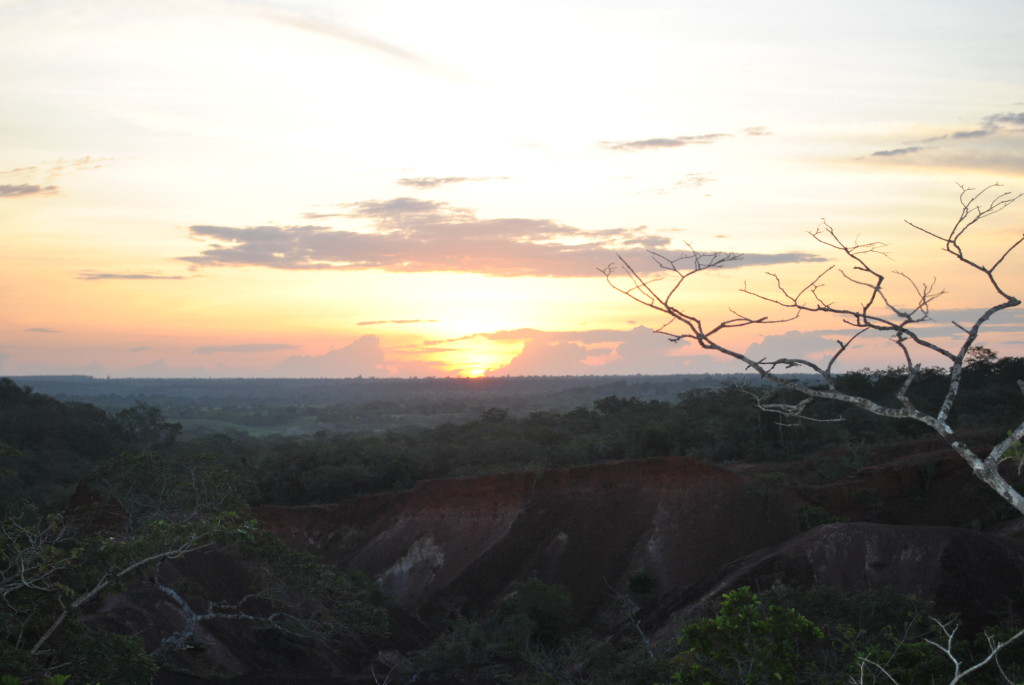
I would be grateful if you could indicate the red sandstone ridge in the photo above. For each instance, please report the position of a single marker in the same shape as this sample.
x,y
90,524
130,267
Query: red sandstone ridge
x,y
921,482
974,575
589,528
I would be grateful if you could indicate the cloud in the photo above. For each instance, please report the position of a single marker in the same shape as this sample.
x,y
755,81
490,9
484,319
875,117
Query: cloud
x,y
694,181
428,182
660,143
757,131
395,321
23,189
539,358
394,208
445,341
1006,119
313,216
412,235
988,145
48,170
898,152
589,352
790,345
323,25
97,276
41,330
363,357
249,348
976,133
20,171
87,163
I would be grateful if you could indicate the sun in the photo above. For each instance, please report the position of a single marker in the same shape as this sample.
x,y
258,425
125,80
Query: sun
x,y
475,367
476,363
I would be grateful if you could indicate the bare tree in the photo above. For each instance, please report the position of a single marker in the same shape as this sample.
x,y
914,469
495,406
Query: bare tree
x,y
877,310
871,671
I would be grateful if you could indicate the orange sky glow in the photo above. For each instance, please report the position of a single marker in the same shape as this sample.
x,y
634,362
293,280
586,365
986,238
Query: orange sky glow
x,y
253,188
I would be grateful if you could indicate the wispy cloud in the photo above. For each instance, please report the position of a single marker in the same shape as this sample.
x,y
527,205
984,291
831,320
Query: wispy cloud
x,y
305,19
757,131
64,166
41,330
689,182
313,216
45,173
412,235
249,348
661,143
427,182
395,321
898,152
1006,119
693,181
950,147
24,189
19,171
100,276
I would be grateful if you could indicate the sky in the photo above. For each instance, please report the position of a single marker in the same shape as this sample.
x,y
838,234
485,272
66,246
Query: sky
x,y
324,188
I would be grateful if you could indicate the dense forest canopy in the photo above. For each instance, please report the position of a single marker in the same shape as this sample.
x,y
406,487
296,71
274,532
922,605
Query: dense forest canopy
x,y
50,445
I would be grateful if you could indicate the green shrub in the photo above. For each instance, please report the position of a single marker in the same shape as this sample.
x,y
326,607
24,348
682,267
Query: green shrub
x,y
747,642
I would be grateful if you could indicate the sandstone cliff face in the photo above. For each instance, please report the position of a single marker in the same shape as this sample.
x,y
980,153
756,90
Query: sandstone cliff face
x,y
590,529
692,530
922,482
975,575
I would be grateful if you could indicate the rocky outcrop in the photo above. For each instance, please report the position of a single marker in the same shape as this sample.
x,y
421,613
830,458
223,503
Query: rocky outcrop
x,y
689,530
672,521
976,575
919,482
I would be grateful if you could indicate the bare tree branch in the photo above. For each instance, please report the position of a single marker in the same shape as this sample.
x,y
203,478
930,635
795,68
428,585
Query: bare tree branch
x,y
875,311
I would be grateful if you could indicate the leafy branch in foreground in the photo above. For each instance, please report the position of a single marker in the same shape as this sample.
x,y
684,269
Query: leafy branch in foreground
x,y
909,327
176,512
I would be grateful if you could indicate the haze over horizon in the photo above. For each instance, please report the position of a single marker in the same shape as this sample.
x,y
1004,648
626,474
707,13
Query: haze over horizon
x,y
246,188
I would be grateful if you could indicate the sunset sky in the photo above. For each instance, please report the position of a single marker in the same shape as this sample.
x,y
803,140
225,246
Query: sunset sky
x,y
395,188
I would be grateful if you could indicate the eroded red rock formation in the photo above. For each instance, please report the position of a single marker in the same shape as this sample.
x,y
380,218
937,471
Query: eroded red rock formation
x,y
588,528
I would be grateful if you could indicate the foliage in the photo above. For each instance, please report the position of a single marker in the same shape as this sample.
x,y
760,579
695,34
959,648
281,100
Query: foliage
x,y
747,642
715,424
167,511
533,615
875,636
48,446
720,424
58,679
531,638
